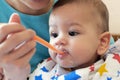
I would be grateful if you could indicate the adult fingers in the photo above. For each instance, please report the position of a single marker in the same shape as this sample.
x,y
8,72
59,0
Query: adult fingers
x,y
13,41
19,52
1,73
20,63
26,58
14,18
6,29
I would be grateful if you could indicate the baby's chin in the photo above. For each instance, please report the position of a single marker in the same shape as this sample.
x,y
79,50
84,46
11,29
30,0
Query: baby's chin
x,y
67,64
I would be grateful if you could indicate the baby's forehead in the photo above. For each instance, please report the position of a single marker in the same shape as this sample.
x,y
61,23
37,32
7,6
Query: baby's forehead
x,y
98,11
83,11
88,12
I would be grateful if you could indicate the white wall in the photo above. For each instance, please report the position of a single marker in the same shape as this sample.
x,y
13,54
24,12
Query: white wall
x,y
114,13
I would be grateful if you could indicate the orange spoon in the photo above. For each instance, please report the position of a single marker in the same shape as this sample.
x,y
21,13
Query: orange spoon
x,y
46,44
15,18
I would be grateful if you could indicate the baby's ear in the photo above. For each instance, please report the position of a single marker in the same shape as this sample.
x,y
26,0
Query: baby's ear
x,y
104,43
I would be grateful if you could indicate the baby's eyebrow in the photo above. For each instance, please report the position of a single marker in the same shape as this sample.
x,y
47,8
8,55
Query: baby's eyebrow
x,y
52,25
74,24
67,24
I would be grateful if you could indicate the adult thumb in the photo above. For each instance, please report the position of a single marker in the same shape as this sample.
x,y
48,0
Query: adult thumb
x,y
14,18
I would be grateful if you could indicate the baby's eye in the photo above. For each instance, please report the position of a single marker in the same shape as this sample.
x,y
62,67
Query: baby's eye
x,y
53,34
73,33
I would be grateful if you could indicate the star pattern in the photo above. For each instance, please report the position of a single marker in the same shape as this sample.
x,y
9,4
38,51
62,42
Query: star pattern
x,y
54,78
49,59
44,69
117,57
92,68
102,69
109,78
38,77
72,76
118,73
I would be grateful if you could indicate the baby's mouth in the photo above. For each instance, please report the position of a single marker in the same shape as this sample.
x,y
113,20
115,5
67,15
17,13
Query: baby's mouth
x,y
64,51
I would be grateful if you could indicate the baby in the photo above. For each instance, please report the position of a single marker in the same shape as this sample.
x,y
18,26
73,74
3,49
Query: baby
x,y
79,28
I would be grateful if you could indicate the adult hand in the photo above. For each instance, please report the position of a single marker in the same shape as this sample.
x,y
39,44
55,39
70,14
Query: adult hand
x,y
1,74
16,49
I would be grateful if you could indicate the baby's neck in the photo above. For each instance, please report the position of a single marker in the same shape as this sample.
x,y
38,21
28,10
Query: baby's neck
x,y
85,66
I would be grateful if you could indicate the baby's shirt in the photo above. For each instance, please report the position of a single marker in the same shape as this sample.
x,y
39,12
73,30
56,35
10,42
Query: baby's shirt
x,y
101,70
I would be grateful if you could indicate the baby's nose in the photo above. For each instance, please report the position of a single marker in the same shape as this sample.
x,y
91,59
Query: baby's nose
x,y
61,41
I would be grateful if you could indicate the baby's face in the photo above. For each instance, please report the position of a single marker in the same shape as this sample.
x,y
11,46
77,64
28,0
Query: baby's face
x,y
72,30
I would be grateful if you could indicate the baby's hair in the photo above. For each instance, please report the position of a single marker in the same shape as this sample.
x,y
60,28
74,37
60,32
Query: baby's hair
x,y
99,6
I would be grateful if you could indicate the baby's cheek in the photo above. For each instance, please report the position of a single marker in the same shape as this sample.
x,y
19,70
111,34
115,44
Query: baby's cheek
x,y
51,53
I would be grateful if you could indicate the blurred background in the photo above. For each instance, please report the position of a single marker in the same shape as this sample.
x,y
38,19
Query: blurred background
x,y
114,12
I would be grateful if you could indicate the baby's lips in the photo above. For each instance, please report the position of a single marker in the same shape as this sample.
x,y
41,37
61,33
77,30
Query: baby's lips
x,y
60,52
63,51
